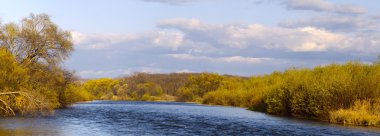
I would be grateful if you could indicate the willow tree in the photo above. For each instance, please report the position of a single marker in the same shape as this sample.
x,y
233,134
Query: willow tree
x,y
38,45
15,95
36,39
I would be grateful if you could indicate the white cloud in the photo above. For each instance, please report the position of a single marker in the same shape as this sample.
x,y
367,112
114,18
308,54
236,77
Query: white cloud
x,y
172,2
100,41
256,35
184,23
334,23
317,5
167,39
243,59
184,71
311,46
78,37
186,56
117,72
232,59
324,5
87,73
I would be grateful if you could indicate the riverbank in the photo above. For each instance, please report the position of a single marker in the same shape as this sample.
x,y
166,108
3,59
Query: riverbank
x,y
340,93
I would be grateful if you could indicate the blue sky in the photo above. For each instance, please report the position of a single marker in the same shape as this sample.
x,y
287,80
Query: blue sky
x,y
241,37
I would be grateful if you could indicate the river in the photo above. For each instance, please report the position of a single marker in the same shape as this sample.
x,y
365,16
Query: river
x,y
162,118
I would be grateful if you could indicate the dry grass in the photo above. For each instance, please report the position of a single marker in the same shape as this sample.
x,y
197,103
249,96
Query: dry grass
x,y
363,113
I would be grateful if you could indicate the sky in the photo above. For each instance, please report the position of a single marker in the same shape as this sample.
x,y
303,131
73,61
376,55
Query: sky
x,y
239,37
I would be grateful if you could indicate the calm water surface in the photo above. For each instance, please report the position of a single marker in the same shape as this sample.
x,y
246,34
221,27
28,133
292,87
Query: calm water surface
x,y
155,118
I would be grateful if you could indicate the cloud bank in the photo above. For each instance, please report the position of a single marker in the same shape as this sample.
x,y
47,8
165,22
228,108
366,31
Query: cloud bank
x,y
179,43
334,33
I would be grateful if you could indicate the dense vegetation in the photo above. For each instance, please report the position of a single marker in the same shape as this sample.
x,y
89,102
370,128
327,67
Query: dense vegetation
x,y
31,77
348,93
342,93
139,86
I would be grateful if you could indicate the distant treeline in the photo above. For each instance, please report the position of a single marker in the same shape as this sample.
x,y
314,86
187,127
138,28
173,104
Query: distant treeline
x,y
341,93
155,87
139,86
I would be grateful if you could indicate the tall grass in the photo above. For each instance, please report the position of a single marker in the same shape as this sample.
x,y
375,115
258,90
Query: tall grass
x,y
334,92
363,113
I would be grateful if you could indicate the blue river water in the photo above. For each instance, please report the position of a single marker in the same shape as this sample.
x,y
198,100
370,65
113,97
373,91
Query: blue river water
x,y
105,118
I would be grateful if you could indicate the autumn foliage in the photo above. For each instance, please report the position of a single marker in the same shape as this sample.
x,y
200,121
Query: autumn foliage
x,y
32,80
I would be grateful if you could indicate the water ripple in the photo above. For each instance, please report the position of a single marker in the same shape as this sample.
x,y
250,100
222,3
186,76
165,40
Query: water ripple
x,y
152,118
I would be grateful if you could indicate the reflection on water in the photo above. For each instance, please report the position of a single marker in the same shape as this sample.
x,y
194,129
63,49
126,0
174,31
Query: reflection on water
x,y
153,118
